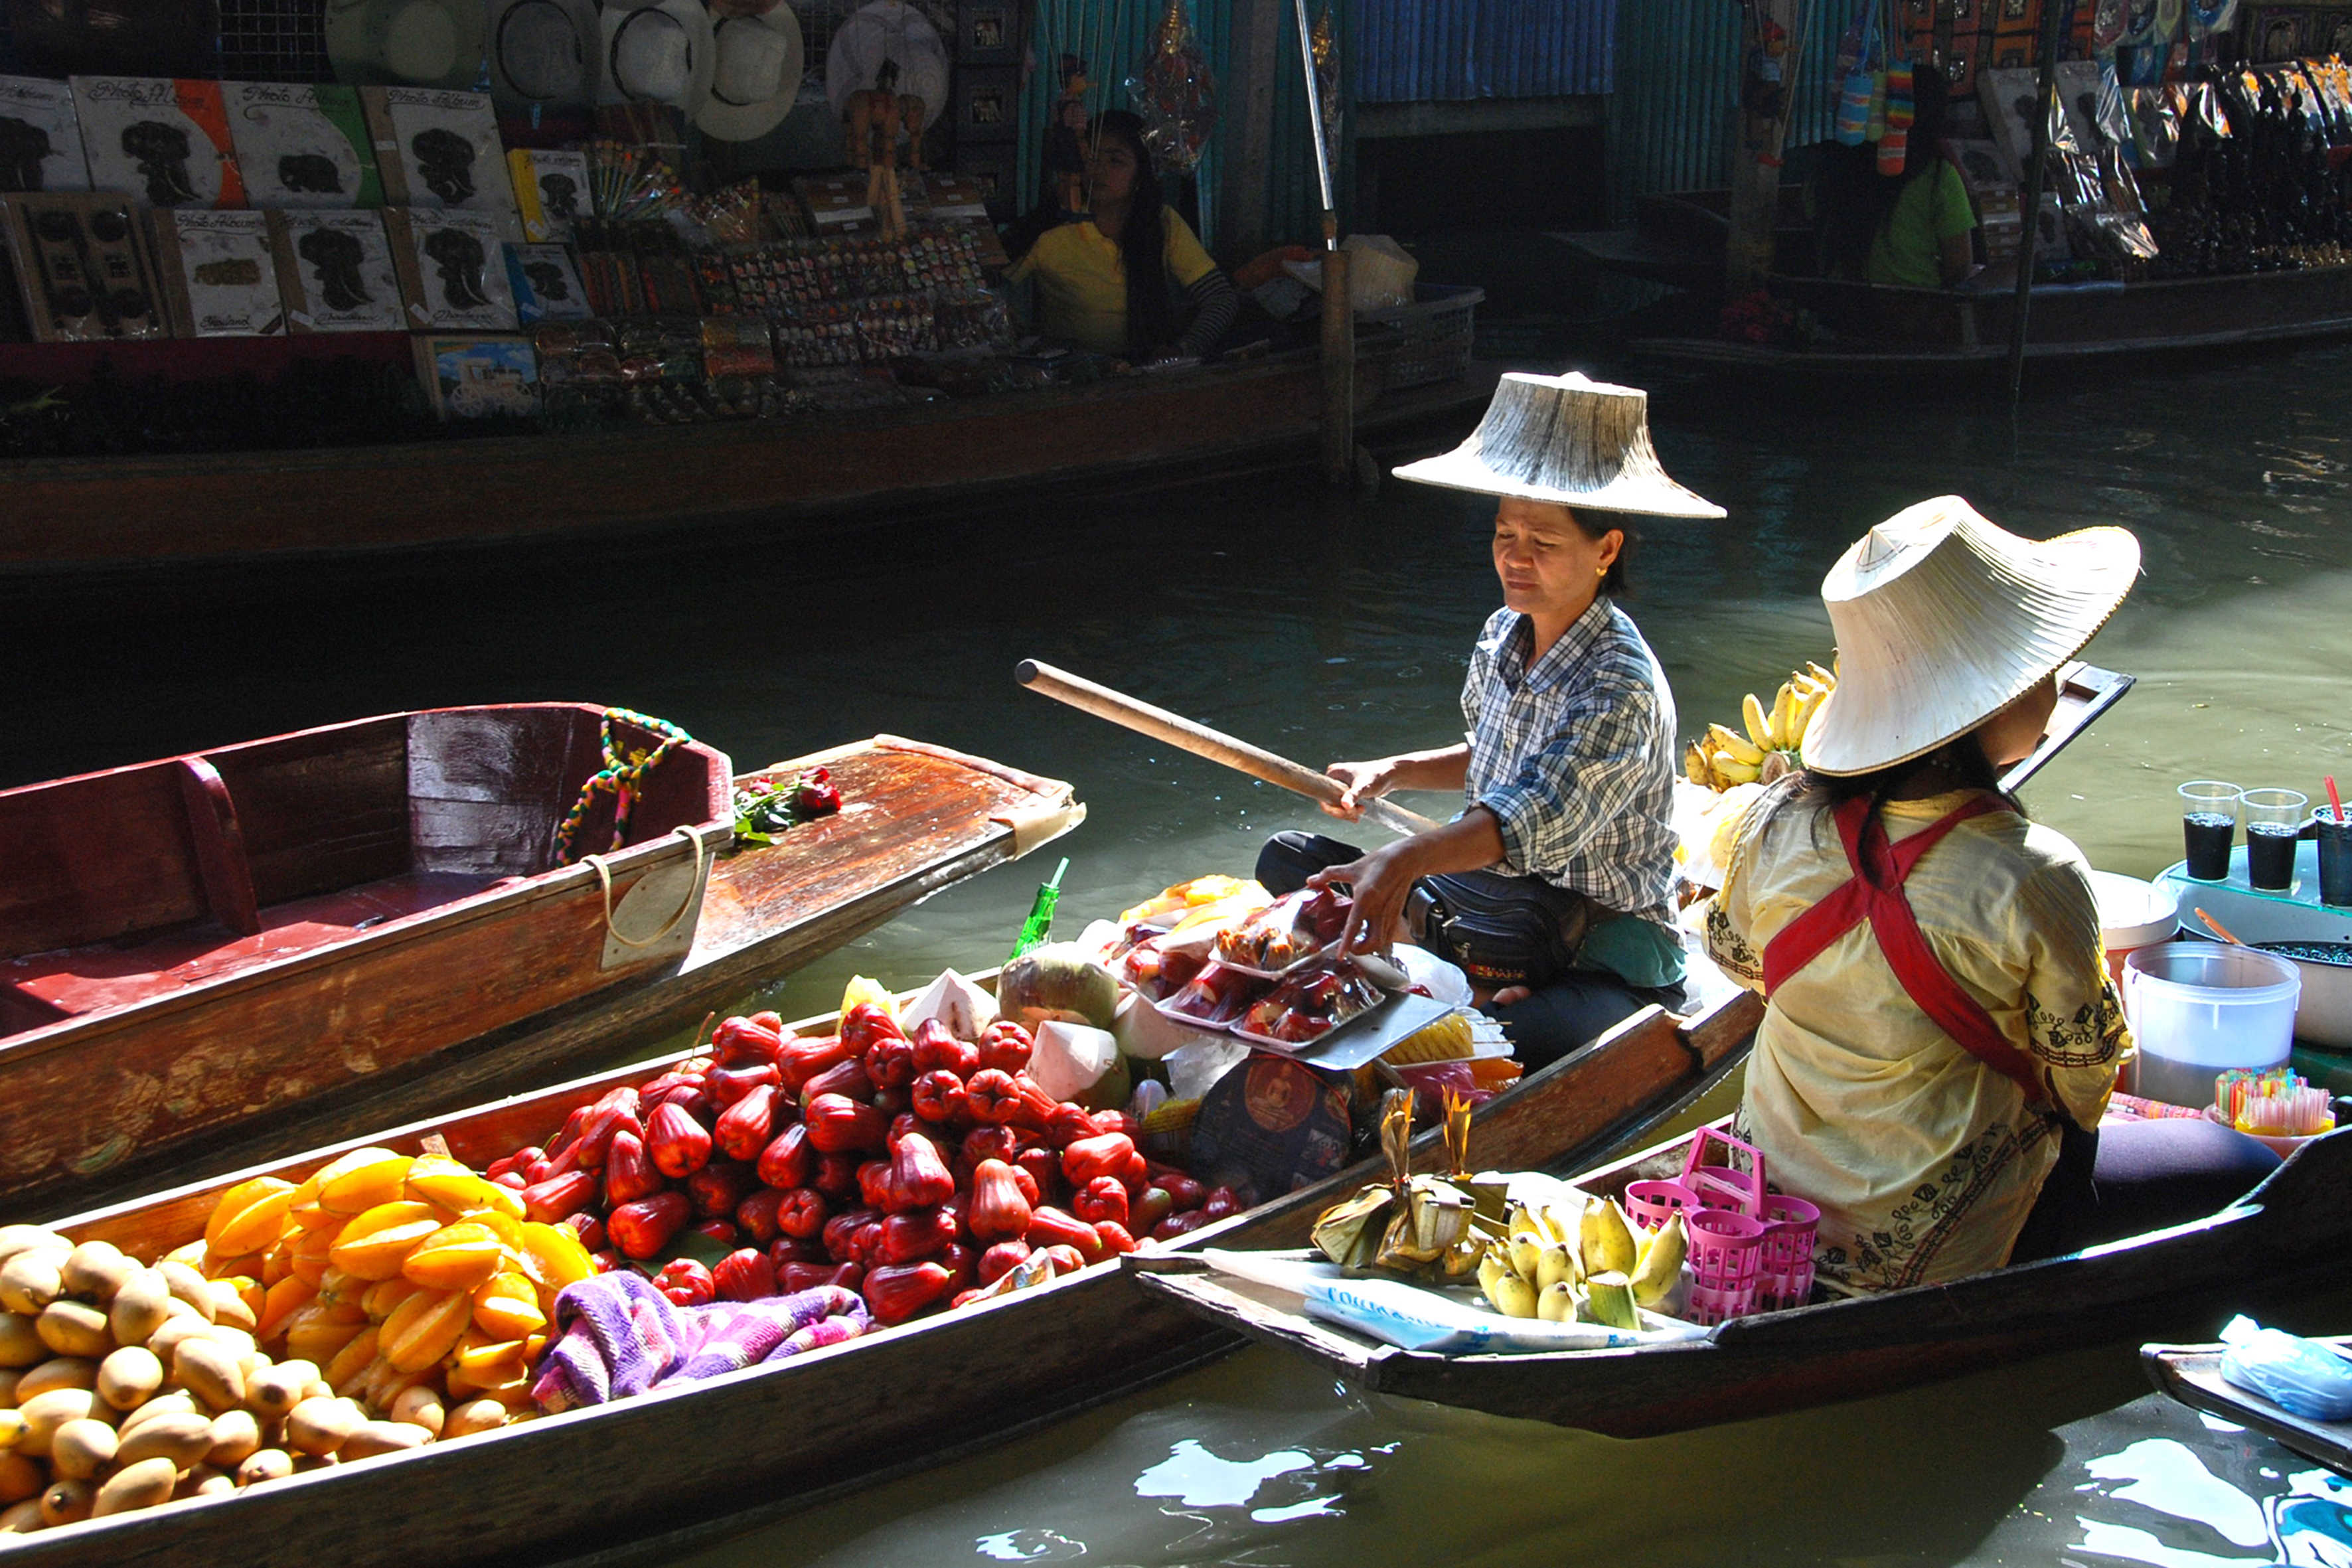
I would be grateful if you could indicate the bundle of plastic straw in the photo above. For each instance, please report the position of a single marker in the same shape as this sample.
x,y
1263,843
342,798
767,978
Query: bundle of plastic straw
x,y
2276,1103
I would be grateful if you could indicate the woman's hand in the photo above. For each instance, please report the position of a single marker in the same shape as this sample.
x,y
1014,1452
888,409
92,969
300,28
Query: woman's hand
x,y
1378,883
1360,781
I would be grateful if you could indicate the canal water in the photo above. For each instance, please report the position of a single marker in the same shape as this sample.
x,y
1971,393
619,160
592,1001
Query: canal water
x,y
1329,630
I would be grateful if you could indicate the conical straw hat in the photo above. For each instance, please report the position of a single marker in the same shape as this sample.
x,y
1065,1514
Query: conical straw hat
x,y
1943,619
1567,439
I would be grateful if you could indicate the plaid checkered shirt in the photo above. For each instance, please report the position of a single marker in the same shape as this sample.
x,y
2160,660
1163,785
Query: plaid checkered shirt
x,y
1575,756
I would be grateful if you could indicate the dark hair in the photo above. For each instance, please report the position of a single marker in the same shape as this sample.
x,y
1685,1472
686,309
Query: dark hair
x,y
1962,758
1151,319
1617,583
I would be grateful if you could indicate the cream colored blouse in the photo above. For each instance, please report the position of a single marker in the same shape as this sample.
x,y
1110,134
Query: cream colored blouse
x,y
1923,1161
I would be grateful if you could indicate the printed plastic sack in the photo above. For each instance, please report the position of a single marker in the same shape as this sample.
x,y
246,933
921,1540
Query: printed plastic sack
x,y
2295,1374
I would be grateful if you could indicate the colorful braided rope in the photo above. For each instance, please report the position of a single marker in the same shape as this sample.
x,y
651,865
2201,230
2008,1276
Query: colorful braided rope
x,y
622,776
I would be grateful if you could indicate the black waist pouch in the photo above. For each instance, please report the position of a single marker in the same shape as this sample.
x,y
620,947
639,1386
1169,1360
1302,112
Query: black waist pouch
x,y
1501,930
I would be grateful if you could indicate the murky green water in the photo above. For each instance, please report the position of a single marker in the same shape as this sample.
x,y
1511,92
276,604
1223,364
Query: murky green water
x,y
1325,630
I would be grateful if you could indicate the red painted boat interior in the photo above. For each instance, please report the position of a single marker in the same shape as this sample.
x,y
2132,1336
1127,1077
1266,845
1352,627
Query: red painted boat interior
x,y
120,887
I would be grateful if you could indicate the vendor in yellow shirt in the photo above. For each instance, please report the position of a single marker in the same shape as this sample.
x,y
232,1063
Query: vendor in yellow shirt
x,y
1940,1038
1179,305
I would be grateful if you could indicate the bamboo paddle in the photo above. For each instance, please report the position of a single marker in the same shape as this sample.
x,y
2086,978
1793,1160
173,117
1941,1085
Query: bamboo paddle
x,y
1202,742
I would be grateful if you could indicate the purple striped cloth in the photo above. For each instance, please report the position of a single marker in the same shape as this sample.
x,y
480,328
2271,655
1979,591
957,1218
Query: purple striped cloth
x,y
618,1336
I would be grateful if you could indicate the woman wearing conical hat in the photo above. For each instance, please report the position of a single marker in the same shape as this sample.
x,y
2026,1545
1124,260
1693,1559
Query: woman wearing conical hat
x,y
1554,887
1940,1038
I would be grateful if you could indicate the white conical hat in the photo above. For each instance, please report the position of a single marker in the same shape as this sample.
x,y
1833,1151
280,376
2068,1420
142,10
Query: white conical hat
x,y
1943,619
1567,439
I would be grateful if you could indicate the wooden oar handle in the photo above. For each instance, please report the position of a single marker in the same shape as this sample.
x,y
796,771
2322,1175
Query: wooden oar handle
x,y
1202,742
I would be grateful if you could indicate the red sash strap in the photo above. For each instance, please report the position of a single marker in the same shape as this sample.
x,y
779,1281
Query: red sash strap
x,y
1874,893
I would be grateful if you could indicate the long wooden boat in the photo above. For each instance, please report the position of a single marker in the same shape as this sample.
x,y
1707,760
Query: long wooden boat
x,y
217,955
2297,1222
76,515
693,1463
1877,332
2192,1374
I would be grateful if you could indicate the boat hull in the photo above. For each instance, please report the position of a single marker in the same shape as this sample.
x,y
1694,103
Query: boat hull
x,y
477,1009
75,515
2297,1223
770,1438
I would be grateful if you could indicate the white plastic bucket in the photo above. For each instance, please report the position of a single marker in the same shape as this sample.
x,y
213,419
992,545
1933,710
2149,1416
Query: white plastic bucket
x,y
2198,1008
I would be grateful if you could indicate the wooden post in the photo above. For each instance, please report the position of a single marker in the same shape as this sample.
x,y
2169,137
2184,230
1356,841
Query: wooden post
x,y
1339,318
1756,140
2030,200
1247,148
1339,372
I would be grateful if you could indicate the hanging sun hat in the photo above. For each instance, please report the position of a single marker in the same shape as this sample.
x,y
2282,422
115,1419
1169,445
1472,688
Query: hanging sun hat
x,y
1567,439
757,77
657,51
405,43
1943,619
897,31
544,54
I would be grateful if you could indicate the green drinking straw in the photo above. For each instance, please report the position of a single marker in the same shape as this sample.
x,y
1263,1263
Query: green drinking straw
x,y
1041,914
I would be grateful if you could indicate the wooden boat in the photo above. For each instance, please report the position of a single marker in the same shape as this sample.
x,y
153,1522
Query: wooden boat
x,y
294,938
2192,1374
2297,1222
1942,335
83,515
694,1463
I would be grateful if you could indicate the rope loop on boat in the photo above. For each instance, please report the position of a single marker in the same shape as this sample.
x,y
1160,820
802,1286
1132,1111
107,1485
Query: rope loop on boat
x,y
693,892
622,777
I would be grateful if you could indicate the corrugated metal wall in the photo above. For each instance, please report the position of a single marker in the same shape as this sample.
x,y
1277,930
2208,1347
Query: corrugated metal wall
x,y
1419,51
1670,123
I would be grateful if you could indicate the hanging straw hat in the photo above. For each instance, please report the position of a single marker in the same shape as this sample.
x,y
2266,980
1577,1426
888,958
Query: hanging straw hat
x,y
544,54
1567,439
405,43
657,51
758,74
1944,619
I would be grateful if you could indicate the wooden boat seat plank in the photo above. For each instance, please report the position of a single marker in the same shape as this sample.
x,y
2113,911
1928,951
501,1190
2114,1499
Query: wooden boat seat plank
x,y
78,981
2192,1374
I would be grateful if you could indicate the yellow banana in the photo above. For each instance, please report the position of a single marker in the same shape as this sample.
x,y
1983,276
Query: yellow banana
x,y
1734,771
1514,1297
1694,767
1826,676
1760,727
1784,704
1742,749
1606,1239
1662,1263
1527,1254
1557,1303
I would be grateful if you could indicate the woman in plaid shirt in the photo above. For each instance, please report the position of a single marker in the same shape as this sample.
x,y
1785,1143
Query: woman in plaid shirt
x,y
1567,758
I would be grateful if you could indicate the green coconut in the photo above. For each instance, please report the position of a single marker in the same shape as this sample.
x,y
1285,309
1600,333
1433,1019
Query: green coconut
x,y
1056,980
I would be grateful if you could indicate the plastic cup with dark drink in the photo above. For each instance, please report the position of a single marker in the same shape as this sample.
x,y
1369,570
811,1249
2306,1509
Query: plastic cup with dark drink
x,y
2335,855
2274,822
2209,822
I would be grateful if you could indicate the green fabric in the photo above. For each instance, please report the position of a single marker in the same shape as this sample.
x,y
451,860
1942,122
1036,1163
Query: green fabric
x,y
1933,207
1638,952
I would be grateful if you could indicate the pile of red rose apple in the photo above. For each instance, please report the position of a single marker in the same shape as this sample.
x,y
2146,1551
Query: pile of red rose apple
x,y
922,1171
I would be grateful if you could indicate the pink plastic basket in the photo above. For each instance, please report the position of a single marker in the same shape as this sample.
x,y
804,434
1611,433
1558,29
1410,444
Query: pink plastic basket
x,y
1726,1250
1651,1204
1784,1275
1725,1186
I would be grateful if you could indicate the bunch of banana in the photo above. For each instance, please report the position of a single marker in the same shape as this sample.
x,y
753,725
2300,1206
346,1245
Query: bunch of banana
x,y
1591,1267
1723,757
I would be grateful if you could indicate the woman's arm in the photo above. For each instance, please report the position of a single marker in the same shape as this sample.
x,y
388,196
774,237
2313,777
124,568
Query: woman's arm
x,y
1380,882
1447,768
1214,304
